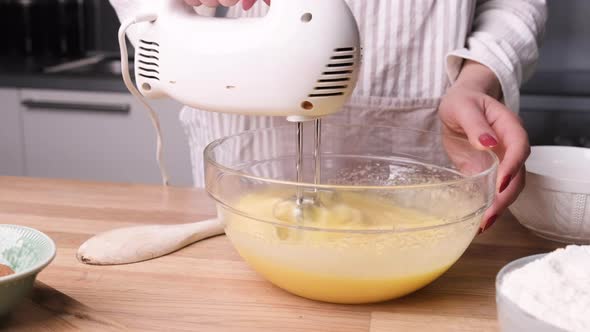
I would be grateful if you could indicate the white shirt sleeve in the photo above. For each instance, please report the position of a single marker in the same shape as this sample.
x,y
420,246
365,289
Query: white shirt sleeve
x,y
505,37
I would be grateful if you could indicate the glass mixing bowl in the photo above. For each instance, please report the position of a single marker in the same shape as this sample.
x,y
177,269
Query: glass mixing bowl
x,y
395,207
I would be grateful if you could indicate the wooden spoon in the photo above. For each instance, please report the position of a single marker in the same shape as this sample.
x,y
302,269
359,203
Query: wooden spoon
x,y
136,244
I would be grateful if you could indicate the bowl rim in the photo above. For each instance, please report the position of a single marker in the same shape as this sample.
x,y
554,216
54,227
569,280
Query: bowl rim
x,y
556,183
208,159
37,267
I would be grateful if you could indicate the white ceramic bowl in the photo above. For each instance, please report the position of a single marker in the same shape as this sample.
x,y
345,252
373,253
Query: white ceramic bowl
x,y
555,203
27,251
510,316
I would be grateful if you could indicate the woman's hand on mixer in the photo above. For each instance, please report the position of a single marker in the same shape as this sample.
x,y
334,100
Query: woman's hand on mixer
x,y
247,4
471,108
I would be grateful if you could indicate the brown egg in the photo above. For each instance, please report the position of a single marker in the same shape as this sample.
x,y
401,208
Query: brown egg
x,y
5,270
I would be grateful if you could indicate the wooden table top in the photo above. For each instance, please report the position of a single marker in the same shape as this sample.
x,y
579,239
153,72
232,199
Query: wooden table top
x,y
207,287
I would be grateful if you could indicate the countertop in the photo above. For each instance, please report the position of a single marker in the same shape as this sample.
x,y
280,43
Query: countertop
x,y
27,73
207,287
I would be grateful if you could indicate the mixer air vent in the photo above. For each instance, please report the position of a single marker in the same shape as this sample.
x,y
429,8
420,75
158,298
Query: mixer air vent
x,y
148,53
337,74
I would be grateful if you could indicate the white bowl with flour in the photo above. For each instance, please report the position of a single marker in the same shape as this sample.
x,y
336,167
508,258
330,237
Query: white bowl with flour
x,y
546,293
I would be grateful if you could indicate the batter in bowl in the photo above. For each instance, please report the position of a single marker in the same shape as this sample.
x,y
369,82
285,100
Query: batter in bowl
x,y
349,247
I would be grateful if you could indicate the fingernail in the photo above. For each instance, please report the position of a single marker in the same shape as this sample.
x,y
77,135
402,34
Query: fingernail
x,y
490,222
505,183
488,140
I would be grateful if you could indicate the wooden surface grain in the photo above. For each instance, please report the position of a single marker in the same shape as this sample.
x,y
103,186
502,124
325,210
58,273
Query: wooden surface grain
x,y
48,310
207,287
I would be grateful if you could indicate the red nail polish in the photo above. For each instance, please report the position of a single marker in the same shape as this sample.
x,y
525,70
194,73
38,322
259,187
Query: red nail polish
x,y
505,183
488,140
490,222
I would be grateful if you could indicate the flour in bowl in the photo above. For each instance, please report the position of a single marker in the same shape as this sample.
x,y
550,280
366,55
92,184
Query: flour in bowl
x,y
555,288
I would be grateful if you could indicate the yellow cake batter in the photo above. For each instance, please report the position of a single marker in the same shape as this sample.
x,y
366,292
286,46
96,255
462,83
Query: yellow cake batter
x,y
340,289
339,266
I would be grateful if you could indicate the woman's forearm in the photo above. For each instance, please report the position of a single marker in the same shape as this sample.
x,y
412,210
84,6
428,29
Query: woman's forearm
x,y
476,76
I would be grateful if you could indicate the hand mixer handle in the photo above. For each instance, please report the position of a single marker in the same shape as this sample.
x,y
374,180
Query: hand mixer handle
x,y
179,6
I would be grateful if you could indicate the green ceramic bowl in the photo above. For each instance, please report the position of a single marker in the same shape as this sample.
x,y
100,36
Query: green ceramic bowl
x,y
27,252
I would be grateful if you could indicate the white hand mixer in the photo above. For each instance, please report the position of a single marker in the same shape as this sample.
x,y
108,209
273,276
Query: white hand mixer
x,y
300,61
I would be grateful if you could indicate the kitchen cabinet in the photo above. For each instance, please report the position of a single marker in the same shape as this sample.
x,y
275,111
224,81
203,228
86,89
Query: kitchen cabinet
x,y
556,120
100,136
11,142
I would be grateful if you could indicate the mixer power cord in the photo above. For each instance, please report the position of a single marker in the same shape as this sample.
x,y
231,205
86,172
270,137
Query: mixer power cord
x,y
129,84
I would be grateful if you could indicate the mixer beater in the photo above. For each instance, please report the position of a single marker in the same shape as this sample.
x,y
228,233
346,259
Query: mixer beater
x,y
317,167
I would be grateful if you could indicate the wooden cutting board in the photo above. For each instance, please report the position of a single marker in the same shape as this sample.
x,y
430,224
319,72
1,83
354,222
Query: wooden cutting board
x,y
47,309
